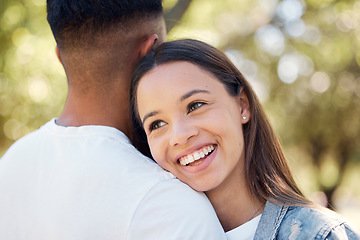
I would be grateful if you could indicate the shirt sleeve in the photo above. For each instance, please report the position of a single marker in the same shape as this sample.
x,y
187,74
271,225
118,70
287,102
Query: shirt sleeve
x,y
172,211
341,232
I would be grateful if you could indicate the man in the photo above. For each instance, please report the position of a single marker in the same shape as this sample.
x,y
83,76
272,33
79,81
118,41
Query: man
x,y
78,176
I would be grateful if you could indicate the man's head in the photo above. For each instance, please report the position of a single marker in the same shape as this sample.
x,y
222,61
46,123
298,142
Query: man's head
x,y
100,40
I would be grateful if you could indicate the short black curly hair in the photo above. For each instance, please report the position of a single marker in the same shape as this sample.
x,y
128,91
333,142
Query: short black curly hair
x,y
75,22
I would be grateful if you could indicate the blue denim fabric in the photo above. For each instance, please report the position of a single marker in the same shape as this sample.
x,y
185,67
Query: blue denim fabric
x,y
284,222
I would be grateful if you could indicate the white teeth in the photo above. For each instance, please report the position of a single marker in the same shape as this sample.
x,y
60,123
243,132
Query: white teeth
x,y
196,155
186,160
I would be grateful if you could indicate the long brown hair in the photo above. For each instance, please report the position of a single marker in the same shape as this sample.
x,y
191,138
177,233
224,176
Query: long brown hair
x,y
267,171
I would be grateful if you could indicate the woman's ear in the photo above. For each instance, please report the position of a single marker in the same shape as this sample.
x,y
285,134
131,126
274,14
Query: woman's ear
x,y
244,106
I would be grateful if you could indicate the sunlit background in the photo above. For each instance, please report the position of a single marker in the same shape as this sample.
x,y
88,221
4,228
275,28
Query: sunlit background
x,y
301,56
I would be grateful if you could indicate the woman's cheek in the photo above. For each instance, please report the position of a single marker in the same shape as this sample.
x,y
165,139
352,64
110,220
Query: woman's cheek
x,y
160,151
156,152
161,160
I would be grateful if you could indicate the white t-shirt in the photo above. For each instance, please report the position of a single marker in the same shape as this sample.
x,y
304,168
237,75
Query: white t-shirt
x,y
245,231
89,182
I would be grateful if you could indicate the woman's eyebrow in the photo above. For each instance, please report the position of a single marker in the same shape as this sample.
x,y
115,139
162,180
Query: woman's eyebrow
x,y
184,97
150,114
192,92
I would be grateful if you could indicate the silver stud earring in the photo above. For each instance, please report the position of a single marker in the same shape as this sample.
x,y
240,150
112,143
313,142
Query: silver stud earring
x,y
244,117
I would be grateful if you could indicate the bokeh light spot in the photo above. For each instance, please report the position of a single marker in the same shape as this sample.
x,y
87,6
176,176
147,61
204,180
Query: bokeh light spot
x,y
13,15
295,28
14,129
290,10
312,35
288,68
270,39
320,82
38,89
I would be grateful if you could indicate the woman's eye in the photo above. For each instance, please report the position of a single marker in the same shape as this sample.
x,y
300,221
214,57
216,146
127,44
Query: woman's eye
x,y
155,125
194,106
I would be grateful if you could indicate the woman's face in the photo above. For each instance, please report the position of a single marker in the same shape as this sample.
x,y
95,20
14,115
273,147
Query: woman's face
x,y
193,126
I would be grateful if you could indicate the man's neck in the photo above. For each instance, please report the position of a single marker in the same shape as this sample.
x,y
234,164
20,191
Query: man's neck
x,y
87,110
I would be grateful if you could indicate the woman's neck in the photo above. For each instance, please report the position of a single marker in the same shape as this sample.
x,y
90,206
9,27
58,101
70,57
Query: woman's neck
x,y
233,202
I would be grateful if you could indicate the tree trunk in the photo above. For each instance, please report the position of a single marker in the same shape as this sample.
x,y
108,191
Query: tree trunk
x,y
173,16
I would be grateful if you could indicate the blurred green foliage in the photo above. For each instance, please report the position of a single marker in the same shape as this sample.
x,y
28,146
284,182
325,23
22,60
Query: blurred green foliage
x,y
301,56
32,82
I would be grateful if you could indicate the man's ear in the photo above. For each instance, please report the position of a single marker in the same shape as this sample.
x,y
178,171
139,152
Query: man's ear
x,y
58,53
148,44
142,48
244,106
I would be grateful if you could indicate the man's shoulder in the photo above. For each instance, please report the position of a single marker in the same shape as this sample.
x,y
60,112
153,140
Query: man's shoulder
x,y
27,141
172,210
98,148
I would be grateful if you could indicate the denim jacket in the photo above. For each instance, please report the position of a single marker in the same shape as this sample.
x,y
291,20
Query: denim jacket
x,y
284,222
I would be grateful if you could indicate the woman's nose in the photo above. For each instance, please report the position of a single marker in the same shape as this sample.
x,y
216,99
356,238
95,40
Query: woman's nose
x,y
182,132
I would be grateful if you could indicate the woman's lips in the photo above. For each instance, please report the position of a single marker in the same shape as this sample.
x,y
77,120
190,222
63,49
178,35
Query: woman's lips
x,y
193,158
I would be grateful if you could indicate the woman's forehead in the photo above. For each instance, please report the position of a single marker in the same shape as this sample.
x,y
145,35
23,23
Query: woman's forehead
x,y
176,73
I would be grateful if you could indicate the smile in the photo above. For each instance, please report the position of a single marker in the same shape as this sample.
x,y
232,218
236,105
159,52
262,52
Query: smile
x,y
197,155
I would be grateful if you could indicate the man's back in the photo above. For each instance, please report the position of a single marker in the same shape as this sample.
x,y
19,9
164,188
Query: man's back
x,y
90,183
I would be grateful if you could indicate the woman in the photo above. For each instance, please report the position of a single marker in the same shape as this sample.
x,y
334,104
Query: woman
x,y
204,123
